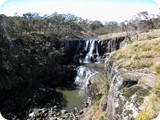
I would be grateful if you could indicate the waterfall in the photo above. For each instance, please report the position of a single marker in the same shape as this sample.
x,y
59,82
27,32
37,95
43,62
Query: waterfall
x,y
93,54
83,77
83,51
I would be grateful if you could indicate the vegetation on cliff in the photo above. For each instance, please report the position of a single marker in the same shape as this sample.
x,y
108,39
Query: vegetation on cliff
x,y
143,56
133,81
32,55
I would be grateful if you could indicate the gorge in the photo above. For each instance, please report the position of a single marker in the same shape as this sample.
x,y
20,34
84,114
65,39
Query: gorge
x,y
77,52
60,66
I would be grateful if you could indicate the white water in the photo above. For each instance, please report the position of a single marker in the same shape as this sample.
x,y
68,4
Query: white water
x,y
84,75
93,54
1,117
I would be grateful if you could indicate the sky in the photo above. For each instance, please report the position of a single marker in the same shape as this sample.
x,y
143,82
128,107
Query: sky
x,y
103,10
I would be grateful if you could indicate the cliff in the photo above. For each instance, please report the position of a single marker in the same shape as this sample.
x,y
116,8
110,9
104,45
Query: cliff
x,y
77,50
133,74
131,89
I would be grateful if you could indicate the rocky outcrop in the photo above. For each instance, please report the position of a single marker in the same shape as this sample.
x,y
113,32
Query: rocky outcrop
x,y
110,45
127,91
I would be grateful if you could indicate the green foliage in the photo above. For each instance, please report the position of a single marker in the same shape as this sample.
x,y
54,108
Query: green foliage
x,y
96,24
35,60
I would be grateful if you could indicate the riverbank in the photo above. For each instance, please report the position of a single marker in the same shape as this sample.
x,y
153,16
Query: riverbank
x,y
132,73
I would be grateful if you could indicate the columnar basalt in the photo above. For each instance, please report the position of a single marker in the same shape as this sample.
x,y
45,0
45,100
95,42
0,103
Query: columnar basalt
x,y
90,50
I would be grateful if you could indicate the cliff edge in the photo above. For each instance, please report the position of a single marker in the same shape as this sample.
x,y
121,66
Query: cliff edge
x,y
134,81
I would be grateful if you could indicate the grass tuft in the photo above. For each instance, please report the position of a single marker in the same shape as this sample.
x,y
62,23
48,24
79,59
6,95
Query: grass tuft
x,y
156,67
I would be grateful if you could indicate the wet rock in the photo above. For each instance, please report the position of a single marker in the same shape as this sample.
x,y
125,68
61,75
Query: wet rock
x,y
55,107
45,114
86,104
45,111
64,111
81,112
58,113
64,116
75,110
56,110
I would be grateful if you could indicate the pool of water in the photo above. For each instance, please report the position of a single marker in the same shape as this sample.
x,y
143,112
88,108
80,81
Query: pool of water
x,y
72,98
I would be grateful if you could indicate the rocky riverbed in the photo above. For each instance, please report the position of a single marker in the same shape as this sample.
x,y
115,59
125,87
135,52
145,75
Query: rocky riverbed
x,y
54,113
44,103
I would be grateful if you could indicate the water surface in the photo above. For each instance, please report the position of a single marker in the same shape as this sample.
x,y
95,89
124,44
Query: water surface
x,y
72,98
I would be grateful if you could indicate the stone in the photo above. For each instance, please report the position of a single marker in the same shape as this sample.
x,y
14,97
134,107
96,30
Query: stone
x,y
64,116
55,107
56,110
46,114
58,113
64,111
125,95
45,111
81,112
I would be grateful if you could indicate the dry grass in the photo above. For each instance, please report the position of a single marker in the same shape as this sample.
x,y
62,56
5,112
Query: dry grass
x,y
151,108
152,34
139,64
144,115
140,55
95,112
157,86
111,35
156,67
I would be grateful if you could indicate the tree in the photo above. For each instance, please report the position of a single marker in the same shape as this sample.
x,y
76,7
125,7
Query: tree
x,y
96,24
111,26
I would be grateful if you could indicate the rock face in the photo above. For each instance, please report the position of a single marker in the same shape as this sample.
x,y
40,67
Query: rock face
x,y
90,50
110,45
83,51
126,93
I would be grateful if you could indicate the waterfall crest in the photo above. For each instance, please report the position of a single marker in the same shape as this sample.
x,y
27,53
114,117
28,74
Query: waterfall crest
x,y
83,51
92,53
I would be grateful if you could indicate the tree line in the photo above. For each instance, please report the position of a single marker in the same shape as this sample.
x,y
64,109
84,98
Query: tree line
x,y
35,43
68,25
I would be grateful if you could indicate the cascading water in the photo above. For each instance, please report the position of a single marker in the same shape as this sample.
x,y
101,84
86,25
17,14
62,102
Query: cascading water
x,y
83,51
84,75
92,54
87,51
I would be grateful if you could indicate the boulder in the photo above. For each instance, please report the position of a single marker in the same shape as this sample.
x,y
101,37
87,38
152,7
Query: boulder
x,y
64,111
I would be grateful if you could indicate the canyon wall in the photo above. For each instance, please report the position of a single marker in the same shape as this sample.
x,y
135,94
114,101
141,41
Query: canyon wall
x,y
126,90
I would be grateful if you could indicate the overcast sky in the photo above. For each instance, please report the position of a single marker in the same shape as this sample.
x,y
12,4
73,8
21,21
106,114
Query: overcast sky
x,y
103,10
